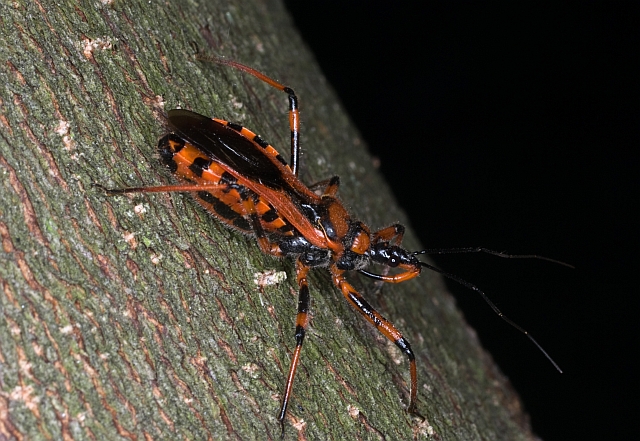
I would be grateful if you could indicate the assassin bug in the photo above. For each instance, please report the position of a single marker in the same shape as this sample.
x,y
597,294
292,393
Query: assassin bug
x,y
246,184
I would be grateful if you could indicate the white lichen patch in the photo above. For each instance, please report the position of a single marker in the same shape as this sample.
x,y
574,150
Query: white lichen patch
x,y
236,104
300,425
353,411
25,394
89,45
62,129
131,240
270,277
423,430
251,369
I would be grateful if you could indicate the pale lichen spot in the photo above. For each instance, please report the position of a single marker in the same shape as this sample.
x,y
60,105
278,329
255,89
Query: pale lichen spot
x,y
423,430
25,368
131,240
159,101
89,45
37,349
270,277
236,104
300,425
25,394
15,329
257,43
251,369
62,129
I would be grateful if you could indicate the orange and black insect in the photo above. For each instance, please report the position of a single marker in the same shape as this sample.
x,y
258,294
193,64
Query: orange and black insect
x,y
245,183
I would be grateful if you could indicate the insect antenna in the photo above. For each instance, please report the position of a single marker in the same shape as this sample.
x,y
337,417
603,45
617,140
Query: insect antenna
x,y
484,296
492,252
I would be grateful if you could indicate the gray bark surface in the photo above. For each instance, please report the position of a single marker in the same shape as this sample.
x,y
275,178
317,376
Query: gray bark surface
x,y
138,317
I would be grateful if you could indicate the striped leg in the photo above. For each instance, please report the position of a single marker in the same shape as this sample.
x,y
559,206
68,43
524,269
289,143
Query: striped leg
x,y
383,325
267,246
294,114
302,320
329,186
394,234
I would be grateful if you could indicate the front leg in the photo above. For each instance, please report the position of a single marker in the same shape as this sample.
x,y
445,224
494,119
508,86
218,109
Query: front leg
x,y
392,234
382,324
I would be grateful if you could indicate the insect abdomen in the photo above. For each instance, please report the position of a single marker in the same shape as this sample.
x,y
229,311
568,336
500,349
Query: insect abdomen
x,y
221,191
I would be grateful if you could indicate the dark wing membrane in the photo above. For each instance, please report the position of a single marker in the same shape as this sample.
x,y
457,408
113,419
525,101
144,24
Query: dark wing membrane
x,y
228,147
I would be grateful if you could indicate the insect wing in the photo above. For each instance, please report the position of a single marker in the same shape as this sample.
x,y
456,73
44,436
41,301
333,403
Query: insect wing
x,y
229,148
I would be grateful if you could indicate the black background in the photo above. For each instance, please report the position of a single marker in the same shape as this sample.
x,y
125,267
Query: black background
x,y
513,126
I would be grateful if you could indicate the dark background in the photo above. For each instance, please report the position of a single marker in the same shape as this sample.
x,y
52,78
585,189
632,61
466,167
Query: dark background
x,y
513,126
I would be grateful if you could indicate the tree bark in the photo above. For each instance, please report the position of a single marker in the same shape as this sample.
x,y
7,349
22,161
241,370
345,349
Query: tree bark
x,y
140,317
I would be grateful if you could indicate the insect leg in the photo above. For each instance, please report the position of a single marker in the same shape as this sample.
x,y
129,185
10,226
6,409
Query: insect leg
x,y
393,233
294,114
382,324
266,245
329,186
410,272
302,320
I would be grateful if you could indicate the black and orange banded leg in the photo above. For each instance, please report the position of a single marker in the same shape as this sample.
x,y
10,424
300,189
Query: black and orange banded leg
x,y
383,325
267,246
393,233
329,186
294,113
302,320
